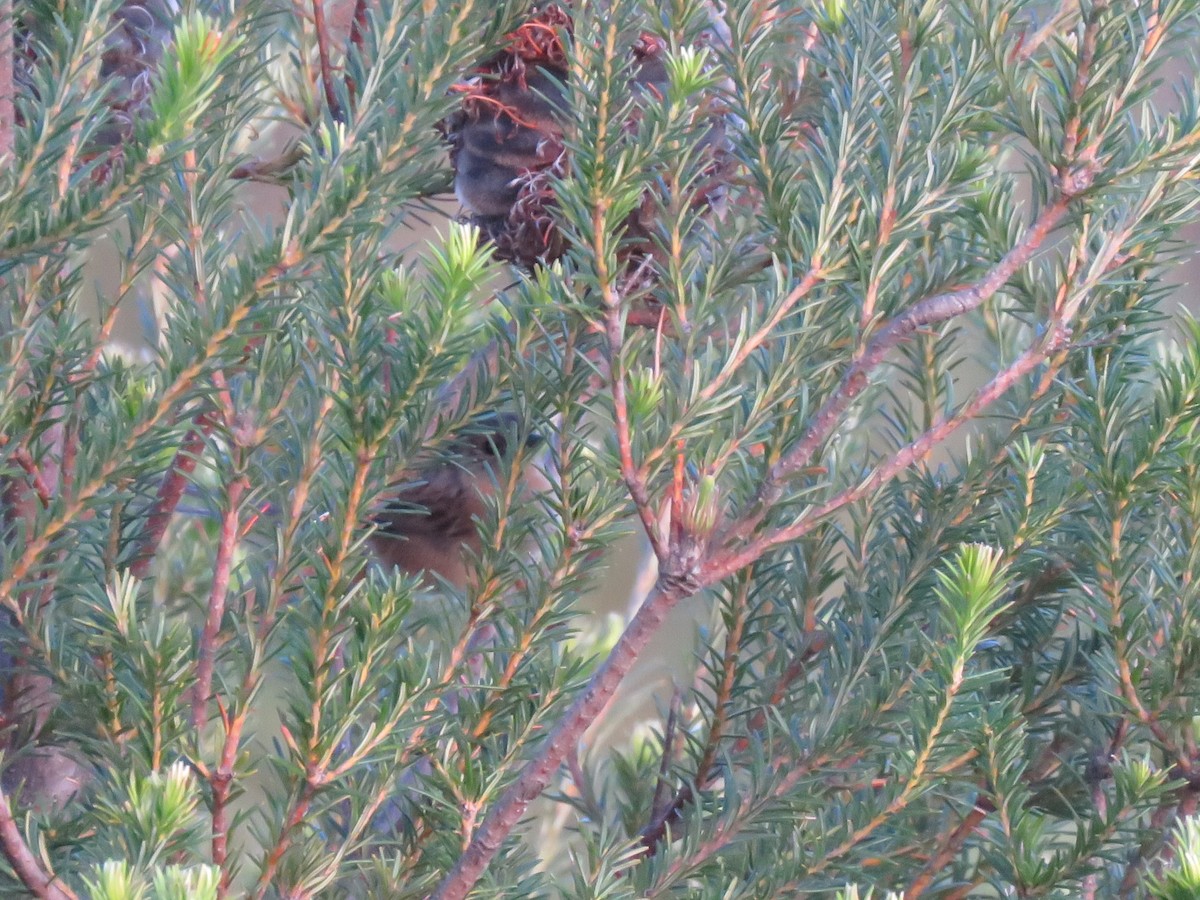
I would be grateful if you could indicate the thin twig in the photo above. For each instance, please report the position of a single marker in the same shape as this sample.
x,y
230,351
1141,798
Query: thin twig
x,y
731,826
722,566
316,775
221,783
949,848
221,778
965,891
656,830
22,458
170,491
930,311
670,730
358,26
1083,77
746,348
322,29
509,809
218,594
665,814
313,781
635,481
1028,43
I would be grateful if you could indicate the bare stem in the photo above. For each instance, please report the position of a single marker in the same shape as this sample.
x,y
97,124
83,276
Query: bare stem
x,y
510,807
221,782
322,29
226,547
930,311
170,492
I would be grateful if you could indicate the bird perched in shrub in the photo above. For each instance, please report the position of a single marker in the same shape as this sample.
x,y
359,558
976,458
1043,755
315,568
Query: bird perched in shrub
x,y
429,523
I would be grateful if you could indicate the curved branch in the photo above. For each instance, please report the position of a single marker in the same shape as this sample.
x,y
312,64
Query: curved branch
x,y
27,867
930,311
510,807
724,565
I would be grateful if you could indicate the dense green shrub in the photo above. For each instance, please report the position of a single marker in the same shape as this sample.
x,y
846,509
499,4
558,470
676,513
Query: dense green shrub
x,y
858,320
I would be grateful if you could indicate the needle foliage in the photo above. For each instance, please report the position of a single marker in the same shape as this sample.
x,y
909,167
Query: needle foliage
x,y
897,407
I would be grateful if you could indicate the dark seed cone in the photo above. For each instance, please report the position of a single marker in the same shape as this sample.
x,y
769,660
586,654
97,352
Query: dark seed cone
x,y
506,142
141,32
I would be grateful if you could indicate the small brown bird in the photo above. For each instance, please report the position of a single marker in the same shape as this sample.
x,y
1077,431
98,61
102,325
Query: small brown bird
x,y
429,524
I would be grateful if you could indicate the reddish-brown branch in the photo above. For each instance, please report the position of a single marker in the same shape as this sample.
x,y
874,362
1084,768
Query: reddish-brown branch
x,y
791,673
170,492
207,654
510,807
724,565
358,26
22,458
949,848
8,117
221,783
322,29
1083,77
930,311
23,861
221,779
295,818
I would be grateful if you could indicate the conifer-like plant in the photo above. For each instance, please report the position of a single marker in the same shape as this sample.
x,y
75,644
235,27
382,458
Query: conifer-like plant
x,y
852,310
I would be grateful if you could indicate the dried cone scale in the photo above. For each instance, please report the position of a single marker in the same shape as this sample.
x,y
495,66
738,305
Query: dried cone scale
x,y
140,32
506,139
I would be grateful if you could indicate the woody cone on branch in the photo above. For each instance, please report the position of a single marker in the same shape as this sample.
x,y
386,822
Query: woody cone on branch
x,y
508,141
